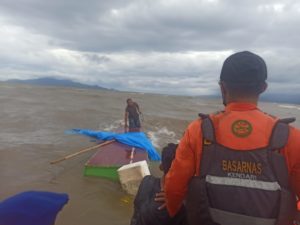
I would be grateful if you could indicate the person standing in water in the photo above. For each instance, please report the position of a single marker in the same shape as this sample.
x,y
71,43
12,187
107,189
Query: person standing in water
x,y
132,115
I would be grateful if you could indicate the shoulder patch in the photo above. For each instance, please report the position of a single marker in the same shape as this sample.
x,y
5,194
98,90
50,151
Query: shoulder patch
x,y
241,128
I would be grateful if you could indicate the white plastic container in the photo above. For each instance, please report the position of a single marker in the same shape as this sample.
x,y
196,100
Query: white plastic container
x,y
131,175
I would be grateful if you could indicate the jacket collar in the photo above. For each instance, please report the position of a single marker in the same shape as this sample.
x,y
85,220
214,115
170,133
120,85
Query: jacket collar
x,y
240,106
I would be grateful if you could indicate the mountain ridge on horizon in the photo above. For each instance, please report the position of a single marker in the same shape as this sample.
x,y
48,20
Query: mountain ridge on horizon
x,y
49,81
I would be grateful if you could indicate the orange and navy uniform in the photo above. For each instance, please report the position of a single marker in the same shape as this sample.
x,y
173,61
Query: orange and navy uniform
x,y
188,154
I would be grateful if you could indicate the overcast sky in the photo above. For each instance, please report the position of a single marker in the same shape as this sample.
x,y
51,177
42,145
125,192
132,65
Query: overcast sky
x,y
162,46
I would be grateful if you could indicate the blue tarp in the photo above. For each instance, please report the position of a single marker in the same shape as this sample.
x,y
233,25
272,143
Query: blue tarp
x,y
135,139
32,208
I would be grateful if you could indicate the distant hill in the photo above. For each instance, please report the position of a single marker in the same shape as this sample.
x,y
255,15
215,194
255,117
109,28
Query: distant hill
x,y
48,81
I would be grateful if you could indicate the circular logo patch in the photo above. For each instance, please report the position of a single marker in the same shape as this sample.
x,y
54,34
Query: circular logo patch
x,y
241,128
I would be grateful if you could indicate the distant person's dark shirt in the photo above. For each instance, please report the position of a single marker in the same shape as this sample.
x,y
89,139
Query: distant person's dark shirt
x,y
146,210
133,110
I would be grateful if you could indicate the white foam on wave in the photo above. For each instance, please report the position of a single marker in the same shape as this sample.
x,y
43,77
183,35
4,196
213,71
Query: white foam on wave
x,y
113,126
161,133
154,139
297,107
157,137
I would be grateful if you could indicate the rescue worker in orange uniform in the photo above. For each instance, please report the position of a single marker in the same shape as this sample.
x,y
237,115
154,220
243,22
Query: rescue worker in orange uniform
x,y
246,161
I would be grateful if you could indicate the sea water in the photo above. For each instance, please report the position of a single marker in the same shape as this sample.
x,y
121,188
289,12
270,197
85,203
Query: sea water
x,y
34,118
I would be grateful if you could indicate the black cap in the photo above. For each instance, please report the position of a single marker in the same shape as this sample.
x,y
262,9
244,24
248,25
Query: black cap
x,y
244,68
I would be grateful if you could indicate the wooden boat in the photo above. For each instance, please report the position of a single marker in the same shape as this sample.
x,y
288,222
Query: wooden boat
x,y
109,158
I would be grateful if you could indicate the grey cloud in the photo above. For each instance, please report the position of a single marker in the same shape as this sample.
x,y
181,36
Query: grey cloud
x,y
151,45
156,25
96,58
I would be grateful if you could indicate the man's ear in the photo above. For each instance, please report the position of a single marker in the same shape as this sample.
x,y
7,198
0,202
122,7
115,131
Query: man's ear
x,y
264,87
223,92
223,88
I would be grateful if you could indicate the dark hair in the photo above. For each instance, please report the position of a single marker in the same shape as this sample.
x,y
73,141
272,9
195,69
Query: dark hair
x,y
128,99
167,156
245,90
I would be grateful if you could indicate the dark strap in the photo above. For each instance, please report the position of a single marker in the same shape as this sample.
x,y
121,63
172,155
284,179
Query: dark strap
x,y
278,140
208,130
288,120
280,134
209,143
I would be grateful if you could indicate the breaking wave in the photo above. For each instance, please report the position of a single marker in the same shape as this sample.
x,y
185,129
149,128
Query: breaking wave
x,y
297,107
161,136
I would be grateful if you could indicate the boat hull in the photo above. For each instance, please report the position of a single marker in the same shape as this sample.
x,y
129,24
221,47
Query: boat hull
x,y
109,158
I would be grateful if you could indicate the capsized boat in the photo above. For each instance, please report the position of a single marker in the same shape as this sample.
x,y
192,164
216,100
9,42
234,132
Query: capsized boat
x,y
109,158
123,149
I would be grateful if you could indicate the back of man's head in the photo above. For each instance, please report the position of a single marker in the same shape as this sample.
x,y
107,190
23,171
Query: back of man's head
x,y
244,73
167,156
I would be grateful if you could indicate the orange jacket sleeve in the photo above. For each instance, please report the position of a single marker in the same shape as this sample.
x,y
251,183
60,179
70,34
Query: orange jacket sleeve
x,y
292,155
183,167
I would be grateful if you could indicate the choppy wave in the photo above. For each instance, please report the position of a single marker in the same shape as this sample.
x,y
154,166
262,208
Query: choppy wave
x,y
113,126
161,136
297,107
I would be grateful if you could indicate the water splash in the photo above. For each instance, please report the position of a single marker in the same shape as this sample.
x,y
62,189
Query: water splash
x,y
161,135
112,126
